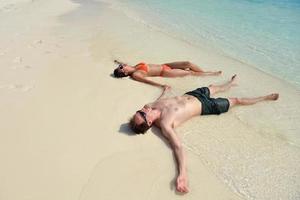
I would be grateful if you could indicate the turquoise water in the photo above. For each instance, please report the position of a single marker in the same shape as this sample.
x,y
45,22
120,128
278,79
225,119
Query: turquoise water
x,y
263,33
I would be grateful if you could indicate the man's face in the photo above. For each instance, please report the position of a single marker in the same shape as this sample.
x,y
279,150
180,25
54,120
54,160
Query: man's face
x,y
141,116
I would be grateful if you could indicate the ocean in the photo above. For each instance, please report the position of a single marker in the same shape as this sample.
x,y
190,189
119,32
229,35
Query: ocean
x,y
261,33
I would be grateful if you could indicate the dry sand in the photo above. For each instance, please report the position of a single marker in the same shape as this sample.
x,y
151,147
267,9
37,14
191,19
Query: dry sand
x,y
64,132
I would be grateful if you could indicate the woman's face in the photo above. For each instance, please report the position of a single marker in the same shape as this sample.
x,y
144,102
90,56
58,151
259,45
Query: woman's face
x,y
123,68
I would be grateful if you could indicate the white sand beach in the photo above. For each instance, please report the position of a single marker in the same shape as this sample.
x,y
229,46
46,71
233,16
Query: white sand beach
x,y
64,118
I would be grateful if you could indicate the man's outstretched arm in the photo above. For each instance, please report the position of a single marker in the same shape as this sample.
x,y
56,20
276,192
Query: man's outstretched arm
x,y
165,90
182,179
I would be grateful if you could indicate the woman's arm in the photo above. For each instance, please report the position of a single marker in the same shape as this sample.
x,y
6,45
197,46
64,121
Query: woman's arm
x,y
119,62
166,88
141,78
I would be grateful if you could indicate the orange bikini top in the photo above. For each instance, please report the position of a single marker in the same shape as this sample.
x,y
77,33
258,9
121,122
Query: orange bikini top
x,y
142,66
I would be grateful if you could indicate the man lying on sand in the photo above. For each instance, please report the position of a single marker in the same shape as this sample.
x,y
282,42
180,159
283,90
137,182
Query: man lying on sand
x,y
168,113
142,70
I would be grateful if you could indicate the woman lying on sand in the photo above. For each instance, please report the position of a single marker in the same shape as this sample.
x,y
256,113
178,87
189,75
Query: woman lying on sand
x,y
142,70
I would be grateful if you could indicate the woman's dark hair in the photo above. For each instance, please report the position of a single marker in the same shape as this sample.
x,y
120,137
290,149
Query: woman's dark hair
x,y
118,73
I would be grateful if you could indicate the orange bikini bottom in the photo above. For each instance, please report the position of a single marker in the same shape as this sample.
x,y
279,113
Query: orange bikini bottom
x,y
164,68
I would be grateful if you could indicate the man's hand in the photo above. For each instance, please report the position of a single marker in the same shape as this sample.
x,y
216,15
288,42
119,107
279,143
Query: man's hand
x,y
181,184
166,87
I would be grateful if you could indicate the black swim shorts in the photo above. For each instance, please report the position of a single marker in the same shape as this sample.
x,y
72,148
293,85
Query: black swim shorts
x,y
210,106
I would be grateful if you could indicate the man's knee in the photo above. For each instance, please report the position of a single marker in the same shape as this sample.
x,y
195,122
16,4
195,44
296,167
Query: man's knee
x,y
213,88
234,101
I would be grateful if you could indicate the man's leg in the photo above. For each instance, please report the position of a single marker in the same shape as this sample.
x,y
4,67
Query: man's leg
x,y
224,87
250,101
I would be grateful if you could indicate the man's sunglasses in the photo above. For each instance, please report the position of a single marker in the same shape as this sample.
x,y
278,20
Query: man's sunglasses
x,y
143,114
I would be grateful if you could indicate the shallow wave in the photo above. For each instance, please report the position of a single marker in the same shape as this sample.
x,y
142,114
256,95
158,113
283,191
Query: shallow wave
x,y
255,163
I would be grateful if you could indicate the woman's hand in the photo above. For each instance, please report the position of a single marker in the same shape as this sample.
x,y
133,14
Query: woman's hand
x,y
166,87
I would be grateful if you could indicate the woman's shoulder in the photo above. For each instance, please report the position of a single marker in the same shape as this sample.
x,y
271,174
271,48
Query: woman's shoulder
x,y
141,63
138,74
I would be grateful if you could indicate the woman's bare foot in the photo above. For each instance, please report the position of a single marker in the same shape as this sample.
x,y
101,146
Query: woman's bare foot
x,y
273,96
218,73
214,73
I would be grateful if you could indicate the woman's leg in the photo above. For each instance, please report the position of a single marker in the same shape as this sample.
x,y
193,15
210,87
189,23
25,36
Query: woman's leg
x,y
188,66
176,73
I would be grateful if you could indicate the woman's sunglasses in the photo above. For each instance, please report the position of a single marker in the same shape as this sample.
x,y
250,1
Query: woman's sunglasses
x,y
121,66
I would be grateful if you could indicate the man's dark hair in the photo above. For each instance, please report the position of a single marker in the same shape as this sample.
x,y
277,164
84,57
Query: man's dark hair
x,y
139,128
119,74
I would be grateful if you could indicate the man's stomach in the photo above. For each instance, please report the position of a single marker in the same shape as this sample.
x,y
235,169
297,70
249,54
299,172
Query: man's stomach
x,y
191,108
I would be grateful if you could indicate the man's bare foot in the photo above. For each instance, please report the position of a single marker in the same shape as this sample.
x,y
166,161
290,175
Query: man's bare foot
x,y
273,96
233,80
233,77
